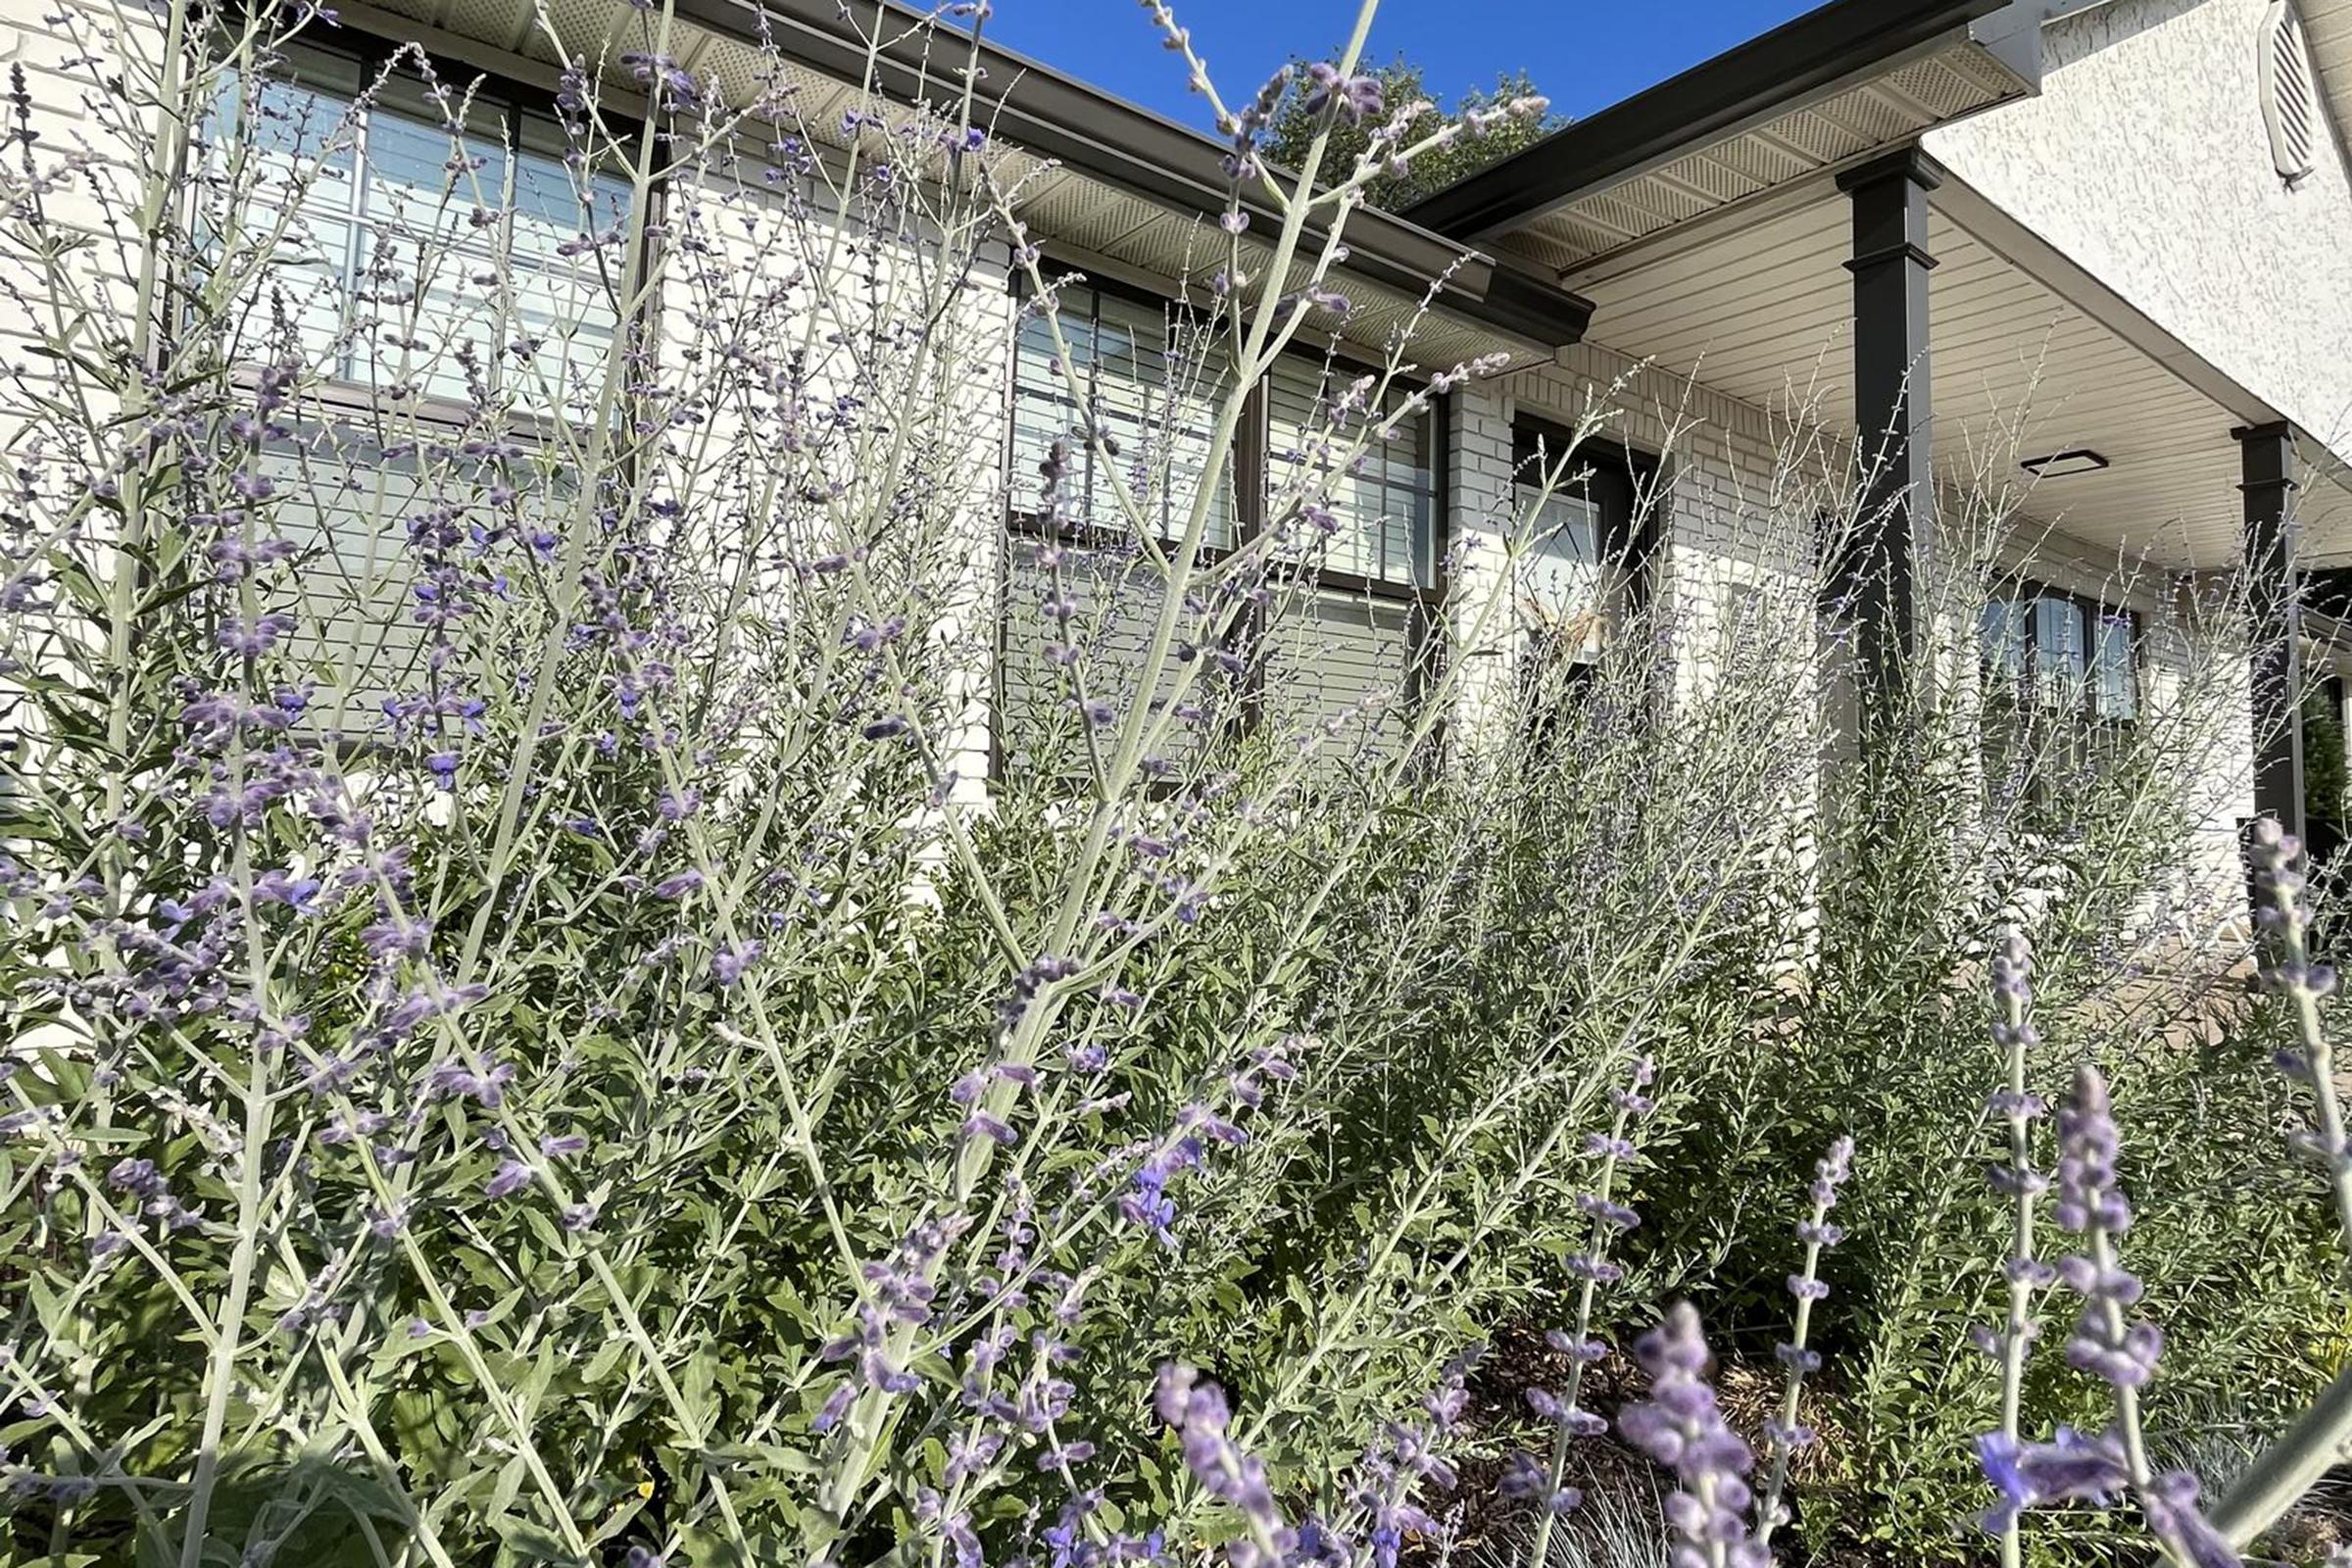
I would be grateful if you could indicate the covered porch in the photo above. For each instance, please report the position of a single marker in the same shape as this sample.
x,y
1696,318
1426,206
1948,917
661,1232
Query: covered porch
x,y
1794,246
1965,361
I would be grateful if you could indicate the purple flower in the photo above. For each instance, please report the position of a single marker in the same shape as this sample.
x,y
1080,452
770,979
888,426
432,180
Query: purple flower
x,y
2170,1504
678,886
836,1405
1356,99
2087,1145
1614,1215
980,1124
283,887
2105,1344
880,1373
2070,1468
250,639
1680,1427
728,963
138,1177
511,1177
1199,1414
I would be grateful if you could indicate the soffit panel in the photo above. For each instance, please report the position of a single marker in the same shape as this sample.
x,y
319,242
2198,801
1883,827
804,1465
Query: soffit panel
x,y
1765,316
1957,79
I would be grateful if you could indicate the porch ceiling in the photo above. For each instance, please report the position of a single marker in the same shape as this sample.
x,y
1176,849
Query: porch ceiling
x,y
1764,315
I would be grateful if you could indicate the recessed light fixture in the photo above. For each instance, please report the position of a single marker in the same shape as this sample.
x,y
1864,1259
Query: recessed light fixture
x,y
2059,464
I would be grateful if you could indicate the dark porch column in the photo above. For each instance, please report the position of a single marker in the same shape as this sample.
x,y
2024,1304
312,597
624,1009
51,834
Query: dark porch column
x,y
2267,463
1891,412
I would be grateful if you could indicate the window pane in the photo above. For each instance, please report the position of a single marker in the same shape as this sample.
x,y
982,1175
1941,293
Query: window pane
x,y
1129,365
299,155
2115,687
1385,502
419,181
1200,375
1043,410
1563,587
2058,652
1116,606
1151,391
2001,639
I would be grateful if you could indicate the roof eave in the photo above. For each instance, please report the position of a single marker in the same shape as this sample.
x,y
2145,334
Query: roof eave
x,y
1810,58
1049,114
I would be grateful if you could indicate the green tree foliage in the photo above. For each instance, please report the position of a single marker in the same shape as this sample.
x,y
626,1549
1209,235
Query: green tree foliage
x,y
2325,779
1483,143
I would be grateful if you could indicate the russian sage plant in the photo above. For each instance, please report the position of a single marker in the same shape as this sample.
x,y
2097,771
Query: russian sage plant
x,y
560,1010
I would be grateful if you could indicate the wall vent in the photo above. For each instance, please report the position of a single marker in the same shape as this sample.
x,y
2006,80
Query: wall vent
x,y
2290,97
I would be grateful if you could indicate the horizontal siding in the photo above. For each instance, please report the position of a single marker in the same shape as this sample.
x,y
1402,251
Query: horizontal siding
x,y
1338,666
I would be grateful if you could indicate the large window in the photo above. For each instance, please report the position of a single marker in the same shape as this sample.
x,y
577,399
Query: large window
x,y
428,262
1342,640
2062,654
423,255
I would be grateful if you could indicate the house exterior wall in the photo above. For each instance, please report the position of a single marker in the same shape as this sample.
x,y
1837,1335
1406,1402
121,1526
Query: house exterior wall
x,y
2146,161
738,294
64,50
2172,228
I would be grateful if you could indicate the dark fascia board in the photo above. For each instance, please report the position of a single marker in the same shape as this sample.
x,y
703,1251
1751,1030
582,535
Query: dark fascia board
x,y
1781,69
1046,113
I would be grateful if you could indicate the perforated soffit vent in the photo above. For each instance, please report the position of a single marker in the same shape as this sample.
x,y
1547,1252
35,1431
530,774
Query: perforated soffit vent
x,y
2289,95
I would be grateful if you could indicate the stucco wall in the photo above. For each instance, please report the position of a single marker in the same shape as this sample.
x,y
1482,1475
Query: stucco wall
x,y
2145,160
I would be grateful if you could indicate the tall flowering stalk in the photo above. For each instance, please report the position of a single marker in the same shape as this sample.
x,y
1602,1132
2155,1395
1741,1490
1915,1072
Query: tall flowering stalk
x,y
1680,1427
2017,1180
1786,1436
2290,970
2293,1465
2111,1345
1522,1479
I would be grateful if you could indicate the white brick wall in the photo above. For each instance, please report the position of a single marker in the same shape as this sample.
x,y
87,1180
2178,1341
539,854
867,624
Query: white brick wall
x,y
1478,510
757,300
66,49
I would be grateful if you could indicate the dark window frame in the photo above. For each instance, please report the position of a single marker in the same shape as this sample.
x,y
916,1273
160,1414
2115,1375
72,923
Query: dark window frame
x,y
2090,613
1628,487
1423,602
1632,486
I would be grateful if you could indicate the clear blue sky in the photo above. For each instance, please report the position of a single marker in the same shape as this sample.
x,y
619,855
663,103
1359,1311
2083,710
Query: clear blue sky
x,y
1583,54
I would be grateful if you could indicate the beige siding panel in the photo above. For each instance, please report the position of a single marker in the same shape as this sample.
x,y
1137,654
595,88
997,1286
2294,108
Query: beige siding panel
x,y
1337,669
